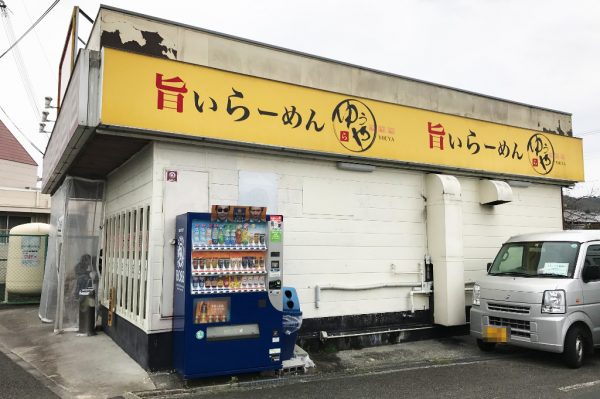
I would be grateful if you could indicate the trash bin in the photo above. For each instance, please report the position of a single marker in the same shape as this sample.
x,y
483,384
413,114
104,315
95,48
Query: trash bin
x,y
87,311
292,320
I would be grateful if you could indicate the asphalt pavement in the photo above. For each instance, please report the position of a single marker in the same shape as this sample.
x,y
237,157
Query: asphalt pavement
x,y
18,383
507,373
37,363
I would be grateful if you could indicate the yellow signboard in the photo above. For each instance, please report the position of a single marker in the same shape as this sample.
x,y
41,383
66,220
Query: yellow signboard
x,y
173,97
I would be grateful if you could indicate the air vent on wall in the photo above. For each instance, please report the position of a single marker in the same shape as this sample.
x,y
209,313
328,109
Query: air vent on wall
x,y
494,192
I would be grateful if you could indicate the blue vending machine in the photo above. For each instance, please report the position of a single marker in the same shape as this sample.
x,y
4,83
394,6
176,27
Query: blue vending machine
x,y
227,305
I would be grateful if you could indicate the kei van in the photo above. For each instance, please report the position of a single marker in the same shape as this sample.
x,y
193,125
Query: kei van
x,y
542,292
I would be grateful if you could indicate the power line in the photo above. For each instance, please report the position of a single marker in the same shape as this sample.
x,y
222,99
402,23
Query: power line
x,y
37,37
19,130
30,28
21,68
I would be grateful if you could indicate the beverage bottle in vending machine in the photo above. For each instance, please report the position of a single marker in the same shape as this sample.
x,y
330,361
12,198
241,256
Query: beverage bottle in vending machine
x,y
245,234
230,237
203,234
215,234
209,234
196,234
238,234
197,314
203,311
221,235
251,229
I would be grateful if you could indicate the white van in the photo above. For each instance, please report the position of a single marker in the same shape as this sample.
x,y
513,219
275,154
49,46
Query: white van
x,y
542,292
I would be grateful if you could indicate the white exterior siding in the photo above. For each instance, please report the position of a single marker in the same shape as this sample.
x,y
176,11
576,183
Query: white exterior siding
x,y
341,227
18,175
534,208
131,184
380,223
383,226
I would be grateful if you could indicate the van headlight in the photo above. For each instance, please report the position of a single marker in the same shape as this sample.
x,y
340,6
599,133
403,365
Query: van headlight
x,y
554,302
476,294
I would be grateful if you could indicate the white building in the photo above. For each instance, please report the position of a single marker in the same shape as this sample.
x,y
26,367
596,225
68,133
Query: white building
x,y
375,174
20,201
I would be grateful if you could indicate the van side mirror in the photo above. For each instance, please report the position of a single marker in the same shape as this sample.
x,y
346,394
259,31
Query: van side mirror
x,y
489,266
590,273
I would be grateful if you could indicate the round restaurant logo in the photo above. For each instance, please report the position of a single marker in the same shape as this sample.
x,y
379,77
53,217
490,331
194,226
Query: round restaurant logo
x,y
354,125
541,153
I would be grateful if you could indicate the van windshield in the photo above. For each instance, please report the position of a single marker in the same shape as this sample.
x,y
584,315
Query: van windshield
x,y
536,259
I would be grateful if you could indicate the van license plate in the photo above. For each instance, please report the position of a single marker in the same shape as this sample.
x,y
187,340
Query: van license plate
x,y
495,334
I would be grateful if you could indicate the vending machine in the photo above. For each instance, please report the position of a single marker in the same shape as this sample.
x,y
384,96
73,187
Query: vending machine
x,y
227,316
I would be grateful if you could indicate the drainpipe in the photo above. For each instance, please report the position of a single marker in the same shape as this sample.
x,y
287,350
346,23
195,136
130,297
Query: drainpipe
x,y
412,299
425,290
319,288
425,287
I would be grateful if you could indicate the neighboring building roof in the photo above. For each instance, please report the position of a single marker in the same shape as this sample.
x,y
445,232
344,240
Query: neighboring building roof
x,y
11,149
580,215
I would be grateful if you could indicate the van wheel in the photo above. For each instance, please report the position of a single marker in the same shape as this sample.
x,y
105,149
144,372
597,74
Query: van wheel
x,y
575,347
486,346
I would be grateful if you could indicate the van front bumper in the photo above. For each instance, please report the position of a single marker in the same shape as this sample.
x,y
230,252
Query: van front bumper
x,y
535,331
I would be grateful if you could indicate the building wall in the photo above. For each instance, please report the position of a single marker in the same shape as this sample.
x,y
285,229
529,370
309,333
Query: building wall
x,y
19,200
17,175
537,207
342,228
17,189
23,200
352,229
131,184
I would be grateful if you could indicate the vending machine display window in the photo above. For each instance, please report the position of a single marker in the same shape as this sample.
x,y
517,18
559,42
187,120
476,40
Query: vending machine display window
x,y
211,310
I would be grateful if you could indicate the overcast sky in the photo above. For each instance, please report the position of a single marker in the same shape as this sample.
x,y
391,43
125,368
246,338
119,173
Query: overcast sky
x,y
540,52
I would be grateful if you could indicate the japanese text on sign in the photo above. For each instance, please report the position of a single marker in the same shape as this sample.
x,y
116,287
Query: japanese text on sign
x,y
190,100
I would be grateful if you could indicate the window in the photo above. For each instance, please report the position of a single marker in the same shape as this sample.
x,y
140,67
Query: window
x,y
536,259
592,256
14,221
